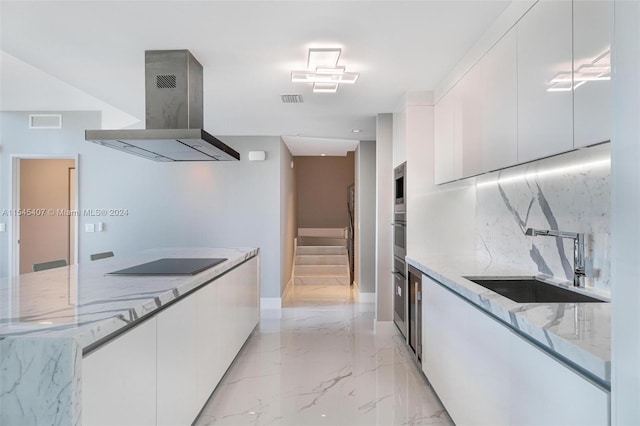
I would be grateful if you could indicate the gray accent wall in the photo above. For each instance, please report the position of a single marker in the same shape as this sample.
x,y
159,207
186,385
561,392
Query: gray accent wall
x,y
384,210
225,204
365,217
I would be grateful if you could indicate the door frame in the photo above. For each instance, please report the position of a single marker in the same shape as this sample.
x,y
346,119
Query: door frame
x,y
14,203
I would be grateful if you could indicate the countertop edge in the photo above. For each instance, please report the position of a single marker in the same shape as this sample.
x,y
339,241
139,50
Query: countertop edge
x,y
556,345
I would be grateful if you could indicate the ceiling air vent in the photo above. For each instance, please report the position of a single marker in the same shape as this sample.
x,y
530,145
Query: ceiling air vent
x,y
291,99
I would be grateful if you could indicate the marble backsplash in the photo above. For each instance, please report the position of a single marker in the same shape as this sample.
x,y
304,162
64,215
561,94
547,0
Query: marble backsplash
x,y
570,192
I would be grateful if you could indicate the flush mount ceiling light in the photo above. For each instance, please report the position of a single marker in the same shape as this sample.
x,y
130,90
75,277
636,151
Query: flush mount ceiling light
x,y
323,71
597,70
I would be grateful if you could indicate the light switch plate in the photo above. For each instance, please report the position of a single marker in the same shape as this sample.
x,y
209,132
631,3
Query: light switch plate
x,y
100,227
3,227
90,227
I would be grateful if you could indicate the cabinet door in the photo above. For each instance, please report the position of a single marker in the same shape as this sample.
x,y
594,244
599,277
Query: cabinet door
x,y
444,139
467,130
399,137
465,357
592,70
177,347
500,105
119,380
545,392
210,367
545,112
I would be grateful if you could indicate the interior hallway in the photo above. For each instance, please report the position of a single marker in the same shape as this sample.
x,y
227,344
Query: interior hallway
x,y
318,362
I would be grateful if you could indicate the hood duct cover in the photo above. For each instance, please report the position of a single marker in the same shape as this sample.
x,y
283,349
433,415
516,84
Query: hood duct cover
x,y
174,115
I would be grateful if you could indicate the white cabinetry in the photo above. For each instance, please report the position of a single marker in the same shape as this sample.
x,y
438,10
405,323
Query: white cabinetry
x,y
177,349
163,370
486,373
464,358
119,380
211,326
591,61
444,139
467,129
545,112
500,104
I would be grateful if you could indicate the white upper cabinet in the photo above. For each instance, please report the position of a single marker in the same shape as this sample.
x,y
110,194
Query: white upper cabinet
x,y
444,139
592,69
545,112
500,104
467,131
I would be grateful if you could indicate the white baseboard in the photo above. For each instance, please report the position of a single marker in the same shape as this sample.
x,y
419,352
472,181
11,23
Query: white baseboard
x,y
366,297
383,327
270,303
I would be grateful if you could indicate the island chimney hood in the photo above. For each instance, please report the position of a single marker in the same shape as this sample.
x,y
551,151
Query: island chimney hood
x,y
174,115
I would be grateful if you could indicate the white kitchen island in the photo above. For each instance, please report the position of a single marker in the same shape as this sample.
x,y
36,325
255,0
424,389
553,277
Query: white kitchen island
x,y
78,346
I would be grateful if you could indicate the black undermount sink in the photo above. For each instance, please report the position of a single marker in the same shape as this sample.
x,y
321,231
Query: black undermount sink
x,y
531,290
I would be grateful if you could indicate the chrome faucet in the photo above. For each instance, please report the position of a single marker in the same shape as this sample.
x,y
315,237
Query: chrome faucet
x,y
579,270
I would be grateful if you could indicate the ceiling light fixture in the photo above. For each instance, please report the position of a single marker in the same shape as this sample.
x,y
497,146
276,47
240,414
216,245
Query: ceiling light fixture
x,y
323,71
356,131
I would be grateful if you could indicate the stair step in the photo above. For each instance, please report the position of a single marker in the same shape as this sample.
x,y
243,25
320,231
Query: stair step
x,y
321,270
318,280
316,250
321,241
321,259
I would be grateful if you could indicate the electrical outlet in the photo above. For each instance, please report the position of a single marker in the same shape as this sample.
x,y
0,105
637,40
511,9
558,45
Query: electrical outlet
x,y
3,227
100,227
90,227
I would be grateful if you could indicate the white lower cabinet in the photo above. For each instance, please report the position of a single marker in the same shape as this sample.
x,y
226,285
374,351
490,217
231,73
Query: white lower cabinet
x,y
485,373
464,358
162,371
119,380
210,366
177,349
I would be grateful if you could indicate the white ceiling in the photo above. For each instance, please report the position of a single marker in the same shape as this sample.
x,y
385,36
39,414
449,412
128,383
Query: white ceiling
x,y
248,49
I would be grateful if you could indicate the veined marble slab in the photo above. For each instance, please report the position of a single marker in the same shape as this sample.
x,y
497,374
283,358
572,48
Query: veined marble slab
x,y
48,318
569,192
578,332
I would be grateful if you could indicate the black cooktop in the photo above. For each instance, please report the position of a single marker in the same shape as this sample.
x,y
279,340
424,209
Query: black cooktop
x,y
171,266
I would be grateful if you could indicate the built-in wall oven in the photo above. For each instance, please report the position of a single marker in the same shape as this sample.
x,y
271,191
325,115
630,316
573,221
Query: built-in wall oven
x,y
400,234
400,250
400,295
400,186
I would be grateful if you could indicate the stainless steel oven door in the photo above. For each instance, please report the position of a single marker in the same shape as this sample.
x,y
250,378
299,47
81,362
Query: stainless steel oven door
x,y
400,235
400,295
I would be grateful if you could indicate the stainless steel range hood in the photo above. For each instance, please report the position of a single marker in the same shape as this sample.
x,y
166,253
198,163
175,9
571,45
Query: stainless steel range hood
x,y
174,115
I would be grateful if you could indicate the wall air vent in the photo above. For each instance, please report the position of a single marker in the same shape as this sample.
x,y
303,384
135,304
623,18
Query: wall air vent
x,y
45,121
291,99
166,81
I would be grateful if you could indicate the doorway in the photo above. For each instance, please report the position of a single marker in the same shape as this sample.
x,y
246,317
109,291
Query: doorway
x,y
46,217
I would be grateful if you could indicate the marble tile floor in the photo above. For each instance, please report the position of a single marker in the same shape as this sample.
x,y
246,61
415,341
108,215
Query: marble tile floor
x,y
318,362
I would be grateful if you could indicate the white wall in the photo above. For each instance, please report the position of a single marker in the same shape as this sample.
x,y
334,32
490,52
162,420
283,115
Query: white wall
x,y
365,188
625,227
384,215
169,204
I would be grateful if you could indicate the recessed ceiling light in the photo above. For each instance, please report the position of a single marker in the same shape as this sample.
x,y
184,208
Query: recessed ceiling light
x,y
356,131
323,155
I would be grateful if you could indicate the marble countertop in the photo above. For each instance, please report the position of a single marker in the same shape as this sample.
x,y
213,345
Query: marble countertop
x,y
577,332
83,303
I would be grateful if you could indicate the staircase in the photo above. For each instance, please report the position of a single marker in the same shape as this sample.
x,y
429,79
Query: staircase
x,y
321,261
